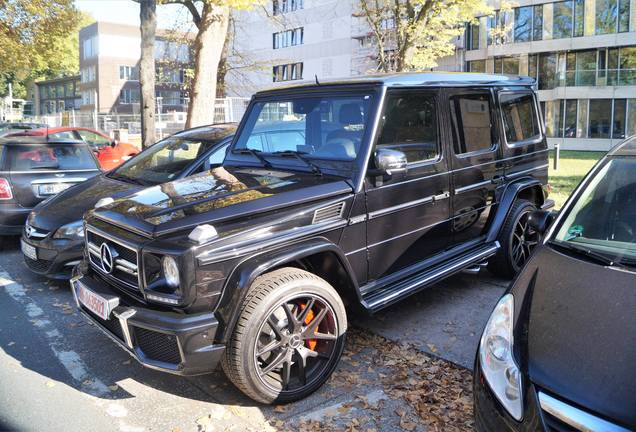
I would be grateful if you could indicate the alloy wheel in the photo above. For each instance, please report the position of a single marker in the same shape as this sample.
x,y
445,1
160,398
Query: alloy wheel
x,y
295,343
524,240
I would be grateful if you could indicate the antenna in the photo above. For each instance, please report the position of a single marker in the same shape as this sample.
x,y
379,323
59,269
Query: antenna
x,y
317,82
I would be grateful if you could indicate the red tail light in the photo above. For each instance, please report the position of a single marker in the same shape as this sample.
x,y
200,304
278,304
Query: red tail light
x,y
5,190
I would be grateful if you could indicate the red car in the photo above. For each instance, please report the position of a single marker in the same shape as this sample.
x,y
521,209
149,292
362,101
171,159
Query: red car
x,y
110,153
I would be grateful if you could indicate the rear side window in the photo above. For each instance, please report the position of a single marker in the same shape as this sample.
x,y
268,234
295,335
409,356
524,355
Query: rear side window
x,y
472,123
410,126
520,118
49,157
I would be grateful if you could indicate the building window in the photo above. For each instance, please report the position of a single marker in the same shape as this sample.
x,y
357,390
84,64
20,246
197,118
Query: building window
x,y
523,24
477,66
129,96
570,119
619,118
537,22
87,74
130,73
579,18
288,72
547,71
89,47
500,27
563,19
507,65
88,97
284,6
288,38
600,116
532,66
606,16
623,16
472,36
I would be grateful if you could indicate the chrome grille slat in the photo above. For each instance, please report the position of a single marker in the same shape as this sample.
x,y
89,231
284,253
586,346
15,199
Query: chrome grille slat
x,y
123,269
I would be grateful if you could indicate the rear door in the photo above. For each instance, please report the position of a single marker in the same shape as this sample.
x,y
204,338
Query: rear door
x,y
38,171
525,149
475,160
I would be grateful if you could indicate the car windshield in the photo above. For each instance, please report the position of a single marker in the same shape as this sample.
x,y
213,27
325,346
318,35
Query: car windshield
x,y
317,127
49,157
164,161
603,219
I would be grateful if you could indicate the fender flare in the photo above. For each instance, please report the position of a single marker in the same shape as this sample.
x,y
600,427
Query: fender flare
x,y
508,197
251,267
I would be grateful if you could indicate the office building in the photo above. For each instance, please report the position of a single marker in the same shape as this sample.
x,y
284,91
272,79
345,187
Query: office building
x,y
55,95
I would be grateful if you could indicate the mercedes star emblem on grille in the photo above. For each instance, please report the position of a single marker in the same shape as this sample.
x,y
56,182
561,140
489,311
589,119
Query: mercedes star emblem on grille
x,y
107,257
29,231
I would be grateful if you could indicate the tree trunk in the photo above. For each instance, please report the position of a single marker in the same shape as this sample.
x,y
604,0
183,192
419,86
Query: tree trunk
x,y
148,26
208,48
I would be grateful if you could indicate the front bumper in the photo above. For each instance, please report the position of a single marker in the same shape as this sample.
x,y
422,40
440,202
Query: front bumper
x,y
12,218
490,414
167,341
56,257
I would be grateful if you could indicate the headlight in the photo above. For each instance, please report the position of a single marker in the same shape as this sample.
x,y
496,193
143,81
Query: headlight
x,y
495,355
170,271
72,231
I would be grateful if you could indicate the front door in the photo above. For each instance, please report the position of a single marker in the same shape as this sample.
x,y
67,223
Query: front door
x,y
475,161
408,217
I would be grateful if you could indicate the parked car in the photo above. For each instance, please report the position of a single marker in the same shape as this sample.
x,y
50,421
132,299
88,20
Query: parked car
x,y
54,232
395,183
33,169
558,351
110,153
10,128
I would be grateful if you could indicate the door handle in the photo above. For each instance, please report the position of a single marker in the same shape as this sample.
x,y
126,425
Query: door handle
x,y
441,196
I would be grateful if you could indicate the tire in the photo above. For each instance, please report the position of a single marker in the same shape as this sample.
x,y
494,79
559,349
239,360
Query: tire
x,y
509,260
263,336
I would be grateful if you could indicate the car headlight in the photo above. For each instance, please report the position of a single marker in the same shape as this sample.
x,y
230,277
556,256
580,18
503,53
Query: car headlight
x,y
495,356
72,231
170,271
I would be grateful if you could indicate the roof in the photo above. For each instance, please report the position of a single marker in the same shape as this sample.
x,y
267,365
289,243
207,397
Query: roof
x,y
59,79
36,140
624,148
424,79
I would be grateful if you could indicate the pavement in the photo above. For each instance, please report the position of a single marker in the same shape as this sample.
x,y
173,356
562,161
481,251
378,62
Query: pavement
x,y
405,368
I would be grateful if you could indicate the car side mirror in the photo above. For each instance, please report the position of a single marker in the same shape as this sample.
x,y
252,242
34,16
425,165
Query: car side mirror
x,y
540,220
390,162
113,143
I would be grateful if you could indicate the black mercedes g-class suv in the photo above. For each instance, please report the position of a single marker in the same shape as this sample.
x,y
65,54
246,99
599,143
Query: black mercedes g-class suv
x,y
379,187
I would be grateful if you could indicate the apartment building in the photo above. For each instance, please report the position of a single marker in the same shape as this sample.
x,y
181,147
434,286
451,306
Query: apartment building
x,y
583,55
109,68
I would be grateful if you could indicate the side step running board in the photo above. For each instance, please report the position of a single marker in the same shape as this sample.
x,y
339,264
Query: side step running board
x,y
385,296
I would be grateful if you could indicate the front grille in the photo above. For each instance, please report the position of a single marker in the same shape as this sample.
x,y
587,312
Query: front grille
x,y
39,265
158,346
112,325
35,233
125,263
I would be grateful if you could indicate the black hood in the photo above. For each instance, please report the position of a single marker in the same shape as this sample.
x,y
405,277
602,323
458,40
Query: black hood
x,y
224,193
582,333
70,205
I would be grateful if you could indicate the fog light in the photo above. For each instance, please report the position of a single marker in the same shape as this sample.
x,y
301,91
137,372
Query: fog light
x,y
170,271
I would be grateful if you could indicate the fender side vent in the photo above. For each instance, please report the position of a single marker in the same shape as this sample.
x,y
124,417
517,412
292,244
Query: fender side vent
x,y
330,213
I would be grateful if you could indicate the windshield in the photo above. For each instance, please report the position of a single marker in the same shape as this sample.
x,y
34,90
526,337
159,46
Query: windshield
x,y
603,219
49,157
164,161
318,127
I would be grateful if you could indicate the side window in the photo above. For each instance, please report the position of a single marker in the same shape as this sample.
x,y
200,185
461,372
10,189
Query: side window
x,y
519,117
93,139
409,125
255,142
63,135
218,156
472,123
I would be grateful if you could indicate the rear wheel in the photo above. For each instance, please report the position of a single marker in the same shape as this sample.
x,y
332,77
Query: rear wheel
x,y
289,337
517,240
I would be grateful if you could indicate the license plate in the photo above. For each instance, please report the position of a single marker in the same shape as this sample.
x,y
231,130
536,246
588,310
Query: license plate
x,y
95,303
29,250
53,188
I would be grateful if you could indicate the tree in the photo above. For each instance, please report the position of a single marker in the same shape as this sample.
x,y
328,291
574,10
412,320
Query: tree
x,y
413,34
211,17
37,41
148,27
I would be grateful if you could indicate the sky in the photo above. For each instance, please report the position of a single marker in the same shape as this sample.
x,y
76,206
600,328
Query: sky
x,y
127,12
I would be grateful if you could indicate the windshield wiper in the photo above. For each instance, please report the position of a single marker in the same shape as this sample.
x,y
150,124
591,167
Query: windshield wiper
x,y
299,155
256,153
588,253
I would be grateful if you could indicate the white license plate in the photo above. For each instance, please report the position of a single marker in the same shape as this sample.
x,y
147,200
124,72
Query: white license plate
x,y
29,250
53,188
94,302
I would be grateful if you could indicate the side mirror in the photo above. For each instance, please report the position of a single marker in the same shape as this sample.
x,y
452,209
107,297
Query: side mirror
x,y
390,162
540,220
113,143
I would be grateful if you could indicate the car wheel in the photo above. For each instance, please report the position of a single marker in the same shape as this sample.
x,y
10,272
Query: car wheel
x,y
289,337
517,241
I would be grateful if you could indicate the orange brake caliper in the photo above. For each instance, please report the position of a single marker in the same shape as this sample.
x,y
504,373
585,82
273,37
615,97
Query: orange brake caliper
x,y
311,343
